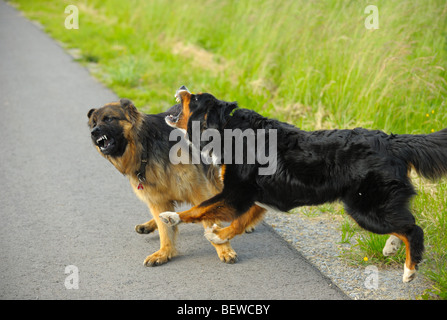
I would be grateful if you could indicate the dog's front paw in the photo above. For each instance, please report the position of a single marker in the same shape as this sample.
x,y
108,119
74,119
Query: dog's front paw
x,y
158,258
170,218
226,253
210,234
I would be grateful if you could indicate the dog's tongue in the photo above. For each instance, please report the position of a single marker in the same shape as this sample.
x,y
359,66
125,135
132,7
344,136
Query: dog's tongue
x,y
106,143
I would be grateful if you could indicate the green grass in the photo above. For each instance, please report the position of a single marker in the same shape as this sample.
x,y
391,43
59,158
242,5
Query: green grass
x,y
312,63
430,207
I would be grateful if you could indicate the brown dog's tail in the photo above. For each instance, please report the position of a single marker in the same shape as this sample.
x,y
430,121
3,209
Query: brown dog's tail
x,y
426,153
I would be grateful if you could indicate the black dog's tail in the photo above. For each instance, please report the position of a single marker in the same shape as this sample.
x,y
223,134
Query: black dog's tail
x,y
426,153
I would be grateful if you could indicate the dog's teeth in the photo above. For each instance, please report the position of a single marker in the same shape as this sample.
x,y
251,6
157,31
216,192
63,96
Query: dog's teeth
x,y
104,137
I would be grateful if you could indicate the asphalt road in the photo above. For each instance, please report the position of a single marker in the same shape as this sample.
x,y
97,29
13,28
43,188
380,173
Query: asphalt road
x,y
63,205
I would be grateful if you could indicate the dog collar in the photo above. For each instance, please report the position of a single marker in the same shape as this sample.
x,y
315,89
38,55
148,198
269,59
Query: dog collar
x,y
141,173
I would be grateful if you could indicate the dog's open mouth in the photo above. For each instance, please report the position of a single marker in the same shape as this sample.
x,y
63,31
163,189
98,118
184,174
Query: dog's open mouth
x,y
105,143
172,119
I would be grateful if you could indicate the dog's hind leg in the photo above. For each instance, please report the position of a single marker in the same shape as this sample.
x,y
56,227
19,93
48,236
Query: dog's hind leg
x,y
400,224
414,247
238,226
380,204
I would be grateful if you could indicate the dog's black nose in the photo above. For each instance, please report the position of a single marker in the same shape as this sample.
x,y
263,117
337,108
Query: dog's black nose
x,y
95,131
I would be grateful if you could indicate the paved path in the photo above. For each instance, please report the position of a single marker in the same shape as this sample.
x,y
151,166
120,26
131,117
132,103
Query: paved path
x,y
62,204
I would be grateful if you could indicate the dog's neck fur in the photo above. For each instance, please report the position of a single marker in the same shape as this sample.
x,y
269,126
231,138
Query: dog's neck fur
x,y
132,156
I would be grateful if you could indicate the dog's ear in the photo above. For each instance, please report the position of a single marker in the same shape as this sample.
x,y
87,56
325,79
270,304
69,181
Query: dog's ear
x,y
129,109
217,117
89,114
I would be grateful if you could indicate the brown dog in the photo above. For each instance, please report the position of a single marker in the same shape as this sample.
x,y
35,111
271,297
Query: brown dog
x,y
138,145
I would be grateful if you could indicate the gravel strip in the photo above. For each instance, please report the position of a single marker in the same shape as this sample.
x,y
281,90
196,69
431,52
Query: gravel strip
x,y
318,239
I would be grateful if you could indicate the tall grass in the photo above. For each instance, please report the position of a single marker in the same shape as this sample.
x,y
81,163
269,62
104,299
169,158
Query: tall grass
x,y
310,57
430,207
312,63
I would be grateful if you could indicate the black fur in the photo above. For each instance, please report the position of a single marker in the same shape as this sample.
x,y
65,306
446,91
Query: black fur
x,y
367,170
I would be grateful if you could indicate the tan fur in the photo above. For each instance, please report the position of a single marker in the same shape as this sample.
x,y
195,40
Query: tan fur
x,y
241,224
186,113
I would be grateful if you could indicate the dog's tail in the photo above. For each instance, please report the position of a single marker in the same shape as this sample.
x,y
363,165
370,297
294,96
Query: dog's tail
x,y
426,153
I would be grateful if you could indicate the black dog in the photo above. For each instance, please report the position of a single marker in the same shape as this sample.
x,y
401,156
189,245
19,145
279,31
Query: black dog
x,y
366,170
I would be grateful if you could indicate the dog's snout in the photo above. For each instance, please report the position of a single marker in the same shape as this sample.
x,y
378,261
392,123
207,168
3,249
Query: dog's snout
x,y
95,131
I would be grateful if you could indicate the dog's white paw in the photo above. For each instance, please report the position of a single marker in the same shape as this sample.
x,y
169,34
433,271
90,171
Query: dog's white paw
x,y
212,237
392,245
170,218
409,274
